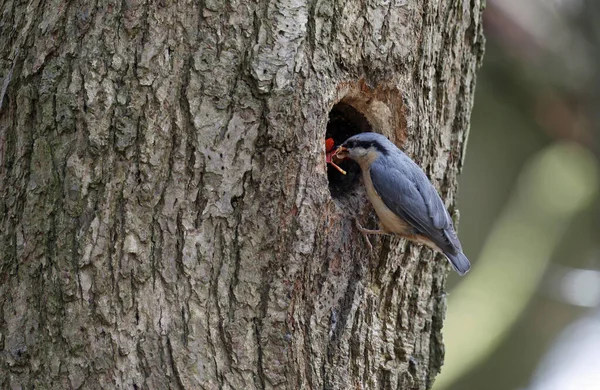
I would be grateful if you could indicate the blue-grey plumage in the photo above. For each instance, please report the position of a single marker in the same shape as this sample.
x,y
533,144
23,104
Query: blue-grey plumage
x,y
404,199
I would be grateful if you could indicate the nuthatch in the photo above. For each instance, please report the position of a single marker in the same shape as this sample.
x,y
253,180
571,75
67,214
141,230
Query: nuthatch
x,y
404,199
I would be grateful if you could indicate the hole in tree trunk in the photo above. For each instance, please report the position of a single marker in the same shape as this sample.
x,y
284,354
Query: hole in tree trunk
x,y
344,122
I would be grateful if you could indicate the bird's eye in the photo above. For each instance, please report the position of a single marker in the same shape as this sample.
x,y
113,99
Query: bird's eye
x,y
350,144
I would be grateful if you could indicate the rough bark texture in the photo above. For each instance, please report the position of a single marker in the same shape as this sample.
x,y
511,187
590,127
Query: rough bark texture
x,y
165,216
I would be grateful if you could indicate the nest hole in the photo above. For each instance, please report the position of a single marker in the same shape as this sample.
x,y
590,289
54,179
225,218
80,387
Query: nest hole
x,y
344,122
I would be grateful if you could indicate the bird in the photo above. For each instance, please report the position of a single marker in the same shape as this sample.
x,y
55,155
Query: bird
x,y
404,199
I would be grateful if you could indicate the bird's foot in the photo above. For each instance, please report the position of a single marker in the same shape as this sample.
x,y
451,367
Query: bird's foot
x,y
365,232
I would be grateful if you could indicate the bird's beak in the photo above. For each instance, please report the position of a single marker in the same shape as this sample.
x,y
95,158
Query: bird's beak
x,y
341,152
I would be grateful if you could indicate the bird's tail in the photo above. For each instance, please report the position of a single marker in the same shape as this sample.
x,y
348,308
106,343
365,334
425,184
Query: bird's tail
x,y
459,262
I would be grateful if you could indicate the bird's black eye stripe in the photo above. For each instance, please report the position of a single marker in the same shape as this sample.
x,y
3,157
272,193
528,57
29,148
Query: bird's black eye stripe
x,y
364,144
361,144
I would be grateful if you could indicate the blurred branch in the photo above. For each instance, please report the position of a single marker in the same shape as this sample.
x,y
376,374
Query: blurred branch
x,y
557,184
572,363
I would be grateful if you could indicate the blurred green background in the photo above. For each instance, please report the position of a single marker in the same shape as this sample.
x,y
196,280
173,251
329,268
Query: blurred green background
x,y
528,314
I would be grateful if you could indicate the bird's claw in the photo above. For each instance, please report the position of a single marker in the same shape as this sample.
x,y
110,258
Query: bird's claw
x,y
364,233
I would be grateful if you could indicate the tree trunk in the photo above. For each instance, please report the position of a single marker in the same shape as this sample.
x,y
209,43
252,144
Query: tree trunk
x,y
166,215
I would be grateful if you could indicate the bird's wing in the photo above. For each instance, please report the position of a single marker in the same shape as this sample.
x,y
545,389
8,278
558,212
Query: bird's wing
x,y
412,197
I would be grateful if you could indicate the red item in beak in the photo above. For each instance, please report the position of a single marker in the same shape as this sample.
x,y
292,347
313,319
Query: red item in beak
x,y
329,144
330,152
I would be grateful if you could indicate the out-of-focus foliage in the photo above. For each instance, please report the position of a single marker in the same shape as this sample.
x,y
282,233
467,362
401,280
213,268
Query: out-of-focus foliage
x,y
529,200
557,184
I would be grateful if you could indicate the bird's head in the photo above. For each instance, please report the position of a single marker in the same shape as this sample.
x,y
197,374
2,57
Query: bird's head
x,y
364,147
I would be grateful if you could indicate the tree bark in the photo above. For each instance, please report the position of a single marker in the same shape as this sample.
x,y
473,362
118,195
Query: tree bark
x,y
166,219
